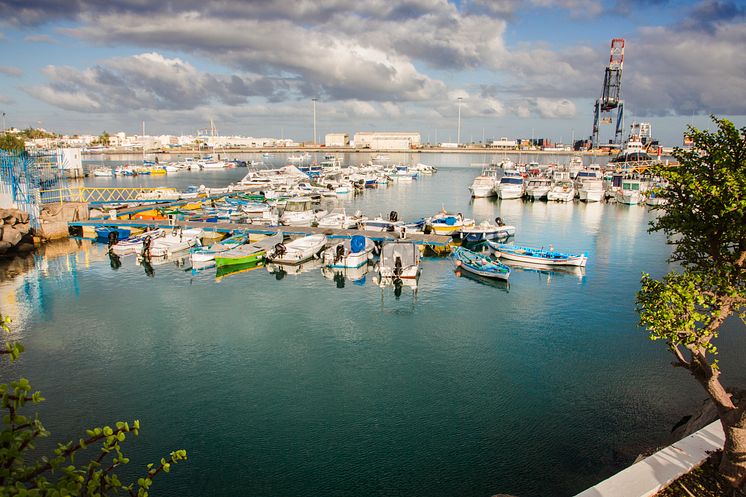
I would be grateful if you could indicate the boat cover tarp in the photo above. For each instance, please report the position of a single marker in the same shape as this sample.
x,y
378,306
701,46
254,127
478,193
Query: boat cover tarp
x,y
407,252
357,244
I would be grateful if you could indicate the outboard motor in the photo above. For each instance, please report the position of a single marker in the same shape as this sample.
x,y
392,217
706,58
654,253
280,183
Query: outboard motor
x,y
280,250
146,247
398,268
339,253
499,221
113,239
393,216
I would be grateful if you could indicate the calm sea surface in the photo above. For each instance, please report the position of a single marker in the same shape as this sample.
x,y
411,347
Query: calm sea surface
x,y
305,384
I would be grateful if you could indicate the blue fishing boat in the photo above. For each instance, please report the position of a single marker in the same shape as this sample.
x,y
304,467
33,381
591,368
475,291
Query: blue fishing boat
x,y
479,264
539,256
103,233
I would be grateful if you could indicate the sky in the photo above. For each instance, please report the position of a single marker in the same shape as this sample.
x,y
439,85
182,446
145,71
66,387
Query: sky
x,y
520,68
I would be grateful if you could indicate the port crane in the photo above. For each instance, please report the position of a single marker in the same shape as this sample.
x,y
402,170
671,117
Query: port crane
x,y
611,96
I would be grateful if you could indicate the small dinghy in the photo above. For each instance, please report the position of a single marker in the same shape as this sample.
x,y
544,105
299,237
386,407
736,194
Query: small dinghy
x,y
174,241
299,250
250,253
479,264
206,254
487,231
537,256
134,244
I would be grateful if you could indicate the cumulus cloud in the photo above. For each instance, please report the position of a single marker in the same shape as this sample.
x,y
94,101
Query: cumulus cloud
x,y
11,71
382,59
674,71
147,81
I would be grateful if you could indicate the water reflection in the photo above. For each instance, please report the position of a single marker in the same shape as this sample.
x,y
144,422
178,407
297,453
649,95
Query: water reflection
x,y
281,270
339,275
491,282
547,273
483,209
234,269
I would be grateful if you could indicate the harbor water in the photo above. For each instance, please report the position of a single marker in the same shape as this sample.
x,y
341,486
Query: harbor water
x,y
305,382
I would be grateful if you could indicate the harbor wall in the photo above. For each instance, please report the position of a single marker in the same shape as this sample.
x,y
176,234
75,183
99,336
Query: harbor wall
x,y
54,219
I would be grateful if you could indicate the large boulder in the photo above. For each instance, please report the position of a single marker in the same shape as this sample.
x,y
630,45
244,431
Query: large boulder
x,y
11,235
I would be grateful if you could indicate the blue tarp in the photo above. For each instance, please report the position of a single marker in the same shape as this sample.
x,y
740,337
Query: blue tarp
x,y
357,244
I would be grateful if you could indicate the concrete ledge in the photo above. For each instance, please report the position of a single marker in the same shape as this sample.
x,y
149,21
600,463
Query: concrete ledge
x,y
653,473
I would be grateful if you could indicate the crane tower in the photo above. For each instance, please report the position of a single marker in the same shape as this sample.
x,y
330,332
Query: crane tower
x,y
611,97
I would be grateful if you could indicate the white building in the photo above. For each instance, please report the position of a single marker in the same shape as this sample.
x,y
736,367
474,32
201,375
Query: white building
x,y
387,140
504,143
337,140
70,160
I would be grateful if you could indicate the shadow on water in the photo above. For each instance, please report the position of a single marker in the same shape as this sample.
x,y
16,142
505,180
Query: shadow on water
x,y
494,283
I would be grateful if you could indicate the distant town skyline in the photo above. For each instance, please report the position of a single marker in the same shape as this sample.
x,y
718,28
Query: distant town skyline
x,y
520,69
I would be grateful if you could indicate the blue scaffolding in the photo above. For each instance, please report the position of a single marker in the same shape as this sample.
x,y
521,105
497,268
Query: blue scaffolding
x,y
24,175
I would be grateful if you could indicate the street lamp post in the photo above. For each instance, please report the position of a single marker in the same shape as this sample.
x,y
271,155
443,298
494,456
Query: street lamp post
x,y
458,134
314,121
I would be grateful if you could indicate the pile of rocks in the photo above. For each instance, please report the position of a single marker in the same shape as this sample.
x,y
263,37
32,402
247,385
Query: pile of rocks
x,y
15,229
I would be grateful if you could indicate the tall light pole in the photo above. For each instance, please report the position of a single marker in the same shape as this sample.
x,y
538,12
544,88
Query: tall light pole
x,y
314,120
3,122
458,134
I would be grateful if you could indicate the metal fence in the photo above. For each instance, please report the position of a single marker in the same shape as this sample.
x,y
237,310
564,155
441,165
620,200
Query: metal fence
x,y
104,195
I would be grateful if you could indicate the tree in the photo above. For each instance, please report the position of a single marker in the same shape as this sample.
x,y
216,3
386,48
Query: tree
x,y
103,139
704,218
11,143
24,473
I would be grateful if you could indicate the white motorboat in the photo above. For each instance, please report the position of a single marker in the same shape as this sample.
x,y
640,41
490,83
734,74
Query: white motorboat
x,y
445,223
103,172
575,166
134,244
591,190
404,173
379,224
173,241
299,212
510,185
400,260
537,188
212,164
298,250
425,168
338,218
484,185
350,253
631,192
487,230
562,191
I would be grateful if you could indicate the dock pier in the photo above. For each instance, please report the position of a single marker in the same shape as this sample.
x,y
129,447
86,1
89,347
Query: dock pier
x,y
228,227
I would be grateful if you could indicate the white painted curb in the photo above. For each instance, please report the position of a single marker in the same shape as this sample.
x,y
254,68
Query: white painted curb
x,y
649,476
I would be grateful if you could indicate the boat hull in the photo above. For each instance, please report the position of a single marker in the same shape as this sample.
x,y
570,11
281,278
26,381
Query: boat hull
x,y
591,195
509,193
570,260
222,260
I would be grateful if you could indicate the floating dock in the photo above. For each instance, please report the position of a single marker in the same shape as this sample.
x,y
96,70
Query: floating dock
x,y
378,236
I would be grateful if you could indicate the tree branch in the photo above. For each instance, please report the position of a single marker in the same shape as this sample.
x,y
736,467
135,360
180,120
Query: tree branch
x,y
682,362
